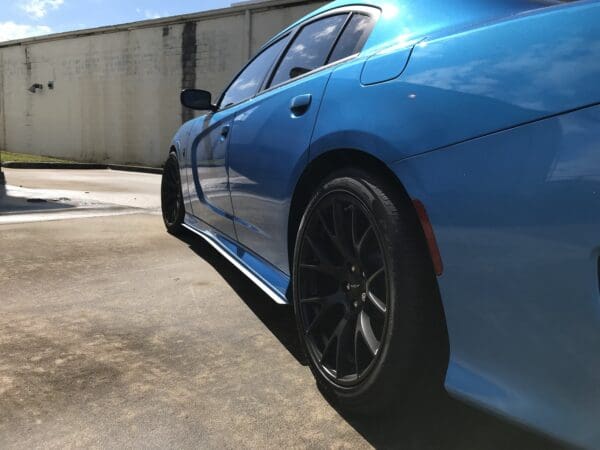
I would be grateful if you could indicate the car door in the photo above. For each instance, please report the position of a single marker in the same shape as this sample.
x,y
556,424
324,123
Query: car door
x,y
271,138
210,139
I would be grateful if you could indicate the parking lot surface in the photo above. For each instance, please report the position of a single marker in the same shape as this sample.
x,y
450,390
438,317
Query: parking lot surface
x,y
115,334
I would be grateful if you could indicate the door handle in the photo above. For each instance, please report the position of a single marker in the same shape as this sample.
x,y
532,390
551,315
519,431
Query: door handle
x,y
225,131
300,104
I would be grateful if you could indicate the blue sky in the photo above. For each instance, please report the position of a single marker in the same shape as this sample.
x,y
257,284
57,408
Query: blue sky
x,y
24,18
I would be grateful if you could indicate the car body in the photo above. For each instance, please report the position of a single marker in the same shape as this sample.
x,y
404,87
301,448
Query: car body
x,y
487,112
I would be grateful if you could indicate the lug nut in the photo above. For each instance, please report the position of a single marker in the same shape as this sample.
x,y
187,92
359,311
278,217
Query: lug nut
x,y
364,296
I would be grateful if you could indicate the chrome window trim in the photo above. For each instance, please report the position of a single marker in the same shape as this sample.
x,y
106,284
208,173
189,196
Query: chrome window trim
x,y
372,11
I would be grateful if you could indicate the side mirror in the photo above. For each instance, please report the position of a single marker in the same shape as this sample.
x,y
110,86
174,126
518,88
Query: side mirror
x,y
197,99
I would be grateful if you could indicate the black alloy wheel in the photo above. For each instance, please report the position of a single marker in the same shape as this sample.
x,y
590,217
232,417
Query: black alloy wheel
x,y
343,289
173,209
365,294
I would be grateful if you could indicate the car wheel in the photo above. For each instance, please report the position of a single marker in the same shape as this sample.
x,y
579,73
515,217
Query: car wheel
x,y
173,210
365,295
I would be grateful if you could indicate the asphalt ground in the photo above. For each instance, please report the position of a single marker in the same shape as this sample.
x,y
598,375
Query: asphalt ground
x,y
114,334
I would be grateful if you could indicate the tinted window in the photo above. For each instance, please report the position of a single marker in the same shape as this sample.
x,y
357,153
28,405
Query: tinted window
x,y
353,38
310,48
250,80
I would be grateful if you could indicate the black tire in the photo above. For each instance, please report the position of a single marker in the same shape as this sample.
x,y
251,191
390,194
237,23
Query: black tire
x,y
173,209
406,350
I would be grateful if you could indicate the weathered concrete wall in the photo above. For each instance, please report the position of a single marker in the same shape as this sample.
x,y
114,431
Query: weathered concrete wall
x,y
116,89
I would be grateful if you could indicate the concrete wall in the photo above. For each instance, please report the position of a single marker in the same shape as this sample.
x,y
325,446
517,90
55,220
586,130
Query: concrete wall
x,y
116,89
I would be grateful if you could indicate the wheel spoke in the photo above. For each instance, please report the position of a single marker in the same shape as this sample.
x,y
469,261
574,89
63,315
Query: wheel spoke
x,y
311,300
334,272
334,339
363,238
364,329
338,220
374,276
323,299
374,299
377,303
353,228
336,236
344,332
319,253
318,320
328,347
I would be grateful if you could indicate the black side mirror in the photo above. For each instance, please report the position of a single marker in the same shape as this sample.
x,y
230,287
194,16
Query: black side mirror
x,y
197,99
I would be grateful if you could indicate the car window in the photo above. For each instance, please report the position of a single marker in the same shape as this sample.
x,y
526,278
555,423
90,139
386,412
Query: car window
x,y
309,49
249,81
353,37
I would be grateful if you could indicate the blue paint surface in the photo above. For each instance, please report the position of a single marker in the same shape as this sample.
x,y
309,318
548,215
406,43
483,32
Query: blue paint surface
x,y
487,112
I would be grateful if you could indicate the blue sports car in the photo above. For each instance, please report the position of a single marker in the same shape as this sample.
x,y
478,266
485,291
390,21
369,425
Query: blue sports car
x,y
421,181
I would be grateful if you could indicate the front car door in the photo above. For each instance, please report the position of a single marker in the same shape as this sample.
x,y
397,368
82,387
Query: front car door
x,y
271,135
210,140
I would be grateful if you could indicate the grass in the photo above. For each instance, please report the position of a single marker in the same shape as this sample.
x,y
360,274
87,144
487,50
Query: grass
x,y
23,157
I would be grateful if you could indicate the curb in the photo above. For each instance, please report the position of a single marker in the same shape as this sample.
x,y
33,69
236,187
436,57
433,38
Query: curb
x,y
80,166
143,169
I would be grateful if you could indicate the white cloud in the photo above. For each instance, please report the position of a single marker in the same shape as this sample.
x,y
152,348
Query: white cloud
x,y
148,14
11,30
39,8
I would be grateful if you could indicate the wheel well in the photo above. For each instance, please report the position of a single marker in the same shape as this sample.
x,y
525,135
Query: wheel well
x,y
318,170
322,167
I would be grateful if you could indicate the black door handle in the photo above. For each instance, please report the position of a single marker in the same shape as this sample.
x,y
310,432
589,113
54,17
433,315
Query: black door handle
x,y
300,104
225,131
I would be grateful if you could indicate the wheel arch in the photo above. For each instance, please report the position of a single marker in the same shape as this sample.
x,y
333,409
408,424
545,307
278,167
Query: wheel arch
x,y
317,171
320,168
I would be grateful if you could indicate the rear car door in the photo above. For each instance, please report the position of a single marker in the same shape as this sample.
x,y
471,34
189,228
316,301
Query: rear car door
x,y
210,140
271,137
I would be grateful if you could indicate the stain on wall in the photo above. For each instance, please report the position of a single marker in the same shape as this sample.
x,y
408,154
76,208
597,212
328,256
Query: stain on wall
x,y
189,50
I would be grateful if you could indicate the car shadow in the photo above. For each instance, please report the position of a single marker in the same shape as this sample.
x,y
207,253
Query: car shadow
x,y
10,204
279,319
435,421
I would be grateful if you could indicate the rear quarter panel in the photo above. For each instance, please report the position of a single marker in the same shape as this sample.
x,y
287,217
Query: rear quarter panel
x,y
517,219
469,84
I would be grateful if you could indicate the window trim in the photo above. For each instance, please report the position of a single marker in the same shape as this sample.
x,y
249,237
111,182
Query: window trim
x,y
243,69
371,11
344,27
291,34
297,32
338,37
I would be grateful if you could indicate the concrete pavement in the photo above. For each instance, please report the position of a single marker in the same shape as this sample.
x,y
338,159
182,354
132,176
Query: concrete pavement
x,y
115,334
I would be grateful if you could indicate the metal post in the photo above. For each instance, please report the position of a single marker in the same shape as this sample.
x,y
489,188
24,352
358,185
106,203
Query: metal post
x,y
248,32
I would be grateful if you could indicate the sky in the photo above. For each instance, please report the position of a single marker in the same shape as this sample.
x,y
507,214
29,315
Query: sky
x,y
25,18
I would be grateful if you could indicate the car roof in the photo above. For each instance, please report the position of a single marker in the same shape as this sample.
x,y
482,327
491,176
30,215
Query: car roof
x,y
411,19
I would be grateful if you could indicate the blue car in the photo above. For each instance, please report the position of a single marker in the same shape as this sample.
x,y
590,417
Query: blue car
x,y
421,181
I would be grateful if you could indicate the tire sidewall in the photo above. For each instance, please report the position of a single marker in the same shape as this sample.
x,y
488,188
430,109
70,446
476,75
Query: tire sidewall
x,y
176,226
395,364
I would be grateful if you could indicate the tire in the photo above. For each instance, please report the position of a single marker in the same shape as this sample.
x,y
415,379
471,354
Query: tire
x,y
375,306
173,209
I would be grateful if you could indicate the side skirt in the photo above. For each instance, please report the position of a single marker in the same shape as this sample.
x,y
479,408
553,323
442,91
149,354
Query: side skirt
x,y
273,282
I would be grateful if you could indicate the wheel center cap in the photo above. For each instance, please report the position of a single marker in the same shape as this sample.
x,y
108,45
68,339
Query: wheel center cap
x,y
356,290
